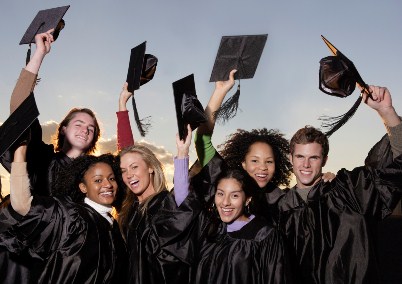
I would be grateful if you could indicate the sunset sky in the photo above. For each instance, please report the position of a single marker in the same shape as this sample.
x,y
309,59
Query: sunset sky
x,y
87,65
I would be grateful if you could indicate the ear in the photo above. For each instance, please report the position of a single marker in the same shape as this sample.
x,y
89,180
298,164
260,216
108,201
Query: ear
x,y
324,161
243,164
150,170
83,188
62,130
290,157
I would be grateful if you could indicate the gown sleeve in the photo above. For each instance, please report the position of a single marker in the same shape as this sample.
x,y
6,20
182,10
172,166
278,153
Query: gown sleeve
x,y
47,226
124,133
375,189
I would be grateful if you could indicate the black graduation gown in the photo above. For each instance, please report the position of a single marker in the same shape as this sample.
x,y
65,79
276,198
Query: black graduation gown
x,y
43,164
161,240
332,236
75,243
254,254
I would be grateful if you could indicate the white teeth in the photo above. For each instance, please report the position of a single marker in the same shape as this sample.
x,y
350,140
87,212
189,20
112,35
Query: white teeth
x,y
227,210
109,193
261,176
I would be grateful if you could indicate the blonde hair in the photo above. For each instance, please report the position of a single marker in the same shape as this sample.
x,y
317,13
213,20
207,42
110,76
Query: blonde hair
x,y
158,180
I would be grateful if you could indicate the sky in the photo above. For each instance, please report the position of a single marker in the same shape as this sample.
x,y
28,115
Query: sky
x,y
88,63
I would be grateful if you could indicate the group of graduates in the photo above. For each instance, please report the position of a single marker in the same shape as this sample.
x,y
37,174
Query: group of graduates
x,y
72,217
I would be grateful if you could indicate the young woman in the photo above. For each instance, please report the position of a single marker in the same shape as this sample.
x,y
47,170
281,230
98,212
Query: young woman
x,y
262,153
72,234
77,134
159,249
235,246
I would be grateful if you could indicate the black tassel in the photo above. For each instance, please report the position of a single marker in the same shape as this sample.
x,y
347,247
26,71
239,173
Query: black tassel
x,y
28,58
334,123
143,125
228,109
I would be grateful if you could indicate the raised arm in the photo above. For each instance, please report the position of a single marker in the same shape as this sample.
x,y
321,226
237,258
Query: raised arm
x,y
380,100
27,80
20,194
125,136
202,140
181,161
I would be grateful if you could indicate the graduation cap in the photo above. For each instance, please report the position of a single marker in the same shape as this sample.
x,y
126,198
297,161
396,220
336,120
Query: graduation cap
x,y
44,21
338,77
141,70
189,110
14,129
243,54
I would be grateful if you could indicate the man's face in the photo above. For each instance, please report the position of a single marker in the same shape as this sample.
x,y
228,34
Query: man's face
x,y
307,161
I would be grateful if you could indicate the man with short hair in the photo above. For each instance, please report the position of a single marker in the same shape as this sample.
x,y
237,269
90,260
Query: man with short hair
x,y
331,227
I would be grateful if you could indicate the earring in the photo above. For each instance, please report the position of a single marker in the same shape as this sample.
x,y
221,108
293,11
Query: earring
x,y
247,210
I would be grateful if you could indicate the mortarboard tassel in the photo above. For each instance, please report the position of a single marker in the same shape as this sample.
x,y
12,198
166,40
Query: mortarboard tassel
x,y
229,108
142,124
28,58
334,123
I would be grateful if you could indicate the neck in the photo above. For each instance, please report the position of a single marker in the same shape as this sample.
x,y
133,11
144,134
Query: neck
x,y
147,193
72,152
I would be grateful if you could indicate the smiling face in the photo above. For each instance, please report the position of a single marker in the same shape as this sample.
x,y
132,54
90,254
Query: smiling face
x,y
137,175
260,163
99,184
79,132
230,200
308,161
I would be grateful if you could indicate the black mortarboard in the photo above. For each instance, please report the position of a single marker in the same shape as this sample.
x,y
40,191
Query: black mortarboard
x,y
141,70
243,54
14,128
338,77
189,110
44,21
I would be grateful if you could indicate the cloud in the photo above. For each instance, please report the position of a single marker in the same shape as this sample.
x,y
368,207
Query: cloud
x,y
105,145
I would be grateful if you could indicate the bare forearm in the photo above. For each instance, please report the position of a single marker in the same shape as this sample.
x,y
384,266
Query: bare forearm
x,y
20,193
213,105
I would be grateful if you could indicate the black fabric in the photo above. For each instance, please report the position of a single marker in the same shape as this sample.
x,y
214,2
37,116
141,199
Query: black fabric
x,y
74,242
161,240
254,254
188,108
43,163
332,236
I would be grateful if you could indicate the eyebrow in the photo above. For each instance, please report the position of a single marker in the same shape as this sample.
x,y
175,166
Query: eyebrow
x,y
83,122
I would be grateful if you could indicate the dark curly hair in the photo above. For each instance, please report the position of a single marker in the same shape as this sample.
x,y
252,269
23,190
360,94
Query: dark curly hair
x,y
236,147
68,180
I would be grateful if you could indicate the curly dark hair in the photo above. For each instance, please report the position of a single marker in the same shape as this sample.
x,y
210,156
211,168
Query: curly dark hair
x,y
236,147
68,180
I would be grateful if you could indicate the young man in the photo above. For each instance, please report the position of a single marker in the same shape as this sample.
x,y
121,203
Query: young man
x,y
331,227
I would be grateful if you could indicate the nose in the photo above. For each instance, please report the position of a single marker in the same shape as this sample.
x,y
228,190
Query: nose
x,y
306,163
263,166
106,183
85,130
226,201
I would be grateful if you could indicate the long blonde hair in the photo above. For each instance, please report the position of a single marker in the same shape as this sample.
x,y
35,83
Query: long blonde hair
x,y
158,180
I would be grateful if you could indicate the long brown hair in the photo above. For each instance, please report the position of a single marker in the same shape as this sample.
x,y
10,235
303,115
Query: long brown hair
x,y
70,115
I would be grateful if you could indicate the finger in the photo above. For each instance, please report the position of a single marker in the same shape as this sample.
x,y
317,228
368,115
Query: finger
x,y
231,74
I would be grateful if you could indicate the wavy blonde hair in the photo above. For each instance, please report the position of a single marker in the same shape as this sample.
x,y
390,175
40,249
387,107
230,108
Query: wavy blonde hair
x,y
158,180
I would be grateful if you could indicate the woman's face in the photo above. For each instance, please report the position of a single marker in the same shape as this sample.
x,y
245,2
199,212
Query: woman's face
x,y
230,200
259,163
137,175
79,132
100,184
